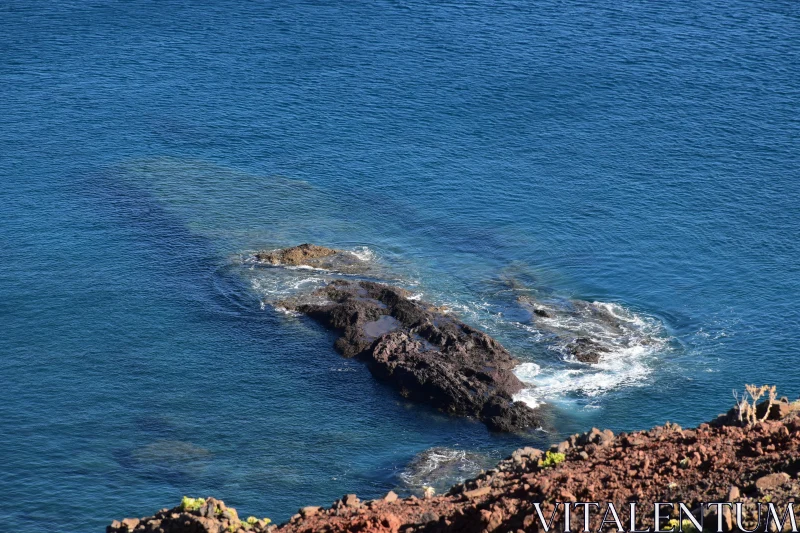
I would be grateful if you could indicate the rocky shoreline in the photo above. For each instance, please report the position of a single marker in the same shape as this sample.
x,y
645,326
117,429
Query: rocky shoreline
x,y
732,459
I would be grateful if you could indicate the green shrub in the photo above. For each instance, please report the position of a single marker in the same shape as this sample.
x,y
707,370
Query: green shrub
x,y
191,504
194,504
688,526
552,459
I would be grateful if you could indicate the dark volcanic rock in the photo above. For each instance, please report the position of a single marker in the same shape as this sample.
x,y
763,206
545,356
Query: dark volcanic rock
x,y
428,356
296,255
586,350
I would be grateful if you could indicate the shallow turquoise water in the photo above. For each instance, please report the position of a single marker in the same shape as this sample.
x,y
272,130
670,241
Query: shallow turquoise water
x,y
633,155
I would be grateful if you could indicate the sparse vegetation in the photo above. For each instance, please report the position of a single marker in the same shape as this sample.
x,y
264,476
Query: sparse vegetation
x,y
192,504
746,406
552,459
251,523
686,526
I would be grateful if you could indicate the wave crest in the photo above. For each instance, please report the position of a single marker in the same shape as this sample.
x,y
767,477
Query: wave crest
x,y
624,342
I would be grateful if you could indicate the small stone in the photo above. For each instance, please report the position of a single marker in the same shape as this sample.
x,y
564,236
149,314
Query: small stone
x,y
429,517
592,435
207,525
391,521
528,452
772,481
130,523
477,493
390,497
777,410
209,509
311,510
350,500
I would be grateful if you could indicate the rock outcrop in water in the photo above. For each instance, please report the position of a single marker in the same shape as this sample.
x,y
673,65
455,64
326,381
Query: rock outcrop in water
x,y
435,466
428,356
585,331
311,255
717,462
304,254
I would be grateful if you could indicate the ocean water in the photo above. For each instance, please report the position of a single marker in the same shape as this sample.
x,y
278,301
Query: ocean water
x,y
633,168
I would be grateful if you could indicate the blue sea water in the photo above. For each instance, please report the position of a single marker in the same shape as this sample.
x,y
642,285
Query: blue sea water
x,y
642,156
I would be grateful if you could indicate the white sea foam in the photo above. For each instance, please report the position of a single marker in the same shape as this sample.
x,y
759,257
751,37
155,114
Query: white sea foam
x,y
305,267
272,288
631,341
536,335
527,373
288,312
363,252
440,467
476,313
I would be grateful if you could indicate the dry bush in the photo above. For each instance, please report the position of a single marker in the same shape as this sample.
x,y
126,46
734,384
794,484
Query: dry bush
x,y
746,406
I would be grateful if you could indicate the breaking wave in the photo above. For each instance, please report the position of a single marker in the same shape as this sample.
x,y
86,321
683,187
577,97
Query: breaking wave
x,y
273,283
363,252
626,345
441,467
